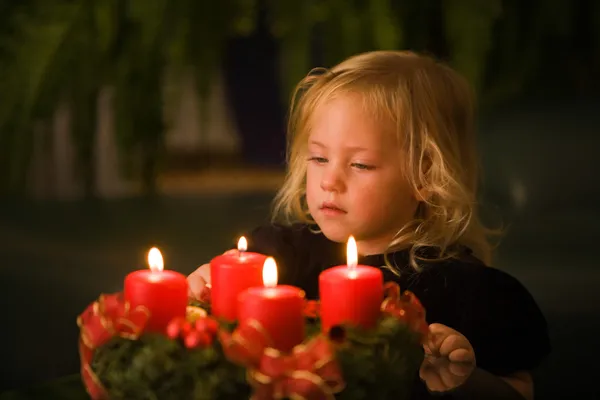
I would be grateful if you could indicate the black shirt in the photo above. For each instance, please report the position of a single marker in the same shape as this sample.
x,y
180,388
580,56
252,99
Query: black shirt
x,y
490,307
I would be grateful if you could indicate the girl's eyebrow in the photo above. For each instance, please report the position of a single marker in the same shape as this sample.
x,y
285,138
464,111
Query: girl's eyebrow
x,y
354,149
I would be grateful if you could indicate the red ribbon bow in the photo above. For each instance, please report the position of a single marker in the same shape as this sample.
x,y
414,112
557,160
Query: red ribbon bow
x,y
309,372
312,309
107,317
405,307
205,294
199,333
246,345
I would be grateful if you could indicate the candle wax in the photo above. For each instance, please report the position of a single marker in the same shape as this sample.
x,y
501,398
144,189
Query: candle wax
x,y
279,310
163,293
350,296
231,274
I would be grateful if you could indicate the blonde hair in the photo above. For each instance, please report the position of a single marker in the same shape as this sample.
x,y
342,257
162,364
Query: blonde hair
x,y
431,108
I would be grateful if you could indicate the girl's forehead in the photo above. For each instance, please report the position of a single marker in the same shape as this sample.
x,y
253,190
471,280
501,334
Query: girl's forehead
x,y
345,119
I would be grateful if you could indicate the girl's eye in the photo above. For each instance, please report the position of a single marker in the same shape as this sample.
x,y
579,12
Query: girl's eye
x,y
363,167
318,160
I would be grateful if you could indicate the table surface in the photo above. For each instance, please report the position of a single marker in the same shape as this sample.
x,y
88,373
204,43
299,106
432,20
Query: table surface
x,y
66,388
440,379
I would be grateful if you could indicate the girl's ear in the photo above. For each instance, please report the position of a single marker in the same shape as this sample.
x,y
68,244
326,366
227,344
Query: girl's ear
x,y
423,194
423,190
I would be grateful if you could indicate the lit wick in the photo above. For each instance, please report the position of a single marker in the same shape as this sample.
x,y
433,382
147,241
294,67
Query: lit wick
x,y
351,256
155,260
156,264
269,273
242,246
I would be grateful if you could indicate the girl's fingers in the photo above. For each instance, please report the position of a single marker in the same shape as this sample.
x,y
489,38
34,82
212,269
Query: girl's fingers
x,y
461,369
195,287
446,342
448,379
455,346
461,356
197,281
429,375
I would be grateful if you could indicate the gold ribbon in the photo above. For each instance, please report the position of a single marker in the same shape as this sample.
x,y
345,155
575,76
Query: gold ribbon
x,y
406,307
312,309
309,372
105,318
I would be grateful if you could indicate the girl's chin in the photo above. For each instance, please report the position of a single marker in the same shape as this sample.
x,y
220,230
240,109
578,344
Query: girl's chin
x,y
335,234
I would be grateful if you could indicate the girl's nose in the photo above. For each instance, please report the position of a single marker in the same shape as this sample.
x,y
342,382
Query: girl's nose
x,y
332,180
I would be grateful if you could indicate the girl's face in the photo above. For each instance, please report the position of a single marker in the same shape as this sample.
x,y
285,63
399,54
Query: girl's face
x,y
355,182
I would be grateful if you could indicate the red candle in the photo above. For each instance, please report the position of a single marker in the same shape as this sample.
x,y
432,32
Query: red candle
x,y
163,293
350,294
278,309
230,274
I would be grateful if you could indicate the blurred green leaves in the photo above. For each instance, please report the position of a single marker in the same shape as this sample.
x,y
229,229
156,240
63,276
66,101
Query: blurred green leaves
x,y
469,25
31,72
57,52
66,51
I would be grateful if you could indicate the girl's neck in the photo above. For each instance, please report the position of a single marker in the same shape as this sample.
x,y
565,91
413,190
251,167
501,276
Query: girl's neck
x,y
372,247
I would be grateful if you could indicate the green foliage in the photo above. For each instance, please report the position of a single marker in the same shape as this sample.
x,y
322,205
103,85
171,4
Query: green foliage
x,y
155,367
137,79
52,57
56,52
292,23
387,32
28,79
469,25
520,38
197,39
379,364
343,30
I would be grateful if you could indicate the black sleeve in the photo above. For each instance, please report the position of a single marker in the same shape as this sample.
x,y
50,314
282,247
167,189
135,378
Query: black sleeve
x,y
510,332
285,244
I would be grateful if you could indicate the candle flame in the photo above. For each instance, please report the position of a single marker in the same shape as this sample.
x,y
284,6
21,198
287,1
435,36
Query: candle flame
x,y
155,260
351,253
270,272
242,244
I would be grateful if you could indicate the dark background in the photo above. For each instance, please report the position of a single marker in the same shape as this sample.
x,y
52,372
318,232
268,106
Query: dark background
x,y
539,151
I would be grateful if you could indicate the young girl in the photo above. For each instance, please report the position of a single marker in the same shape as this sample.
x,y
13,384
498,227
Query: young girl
x,y
382,147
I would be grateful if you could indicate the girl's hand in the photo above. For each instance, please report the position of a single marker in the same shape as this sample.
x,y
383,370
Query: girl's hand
x,y
442,375
199,279
449,358
444,341
448,343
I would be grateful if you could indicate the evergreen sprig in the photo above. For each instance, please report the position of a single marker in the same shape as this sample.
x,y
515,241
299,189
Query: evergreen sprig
x,y
378,364
156,367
